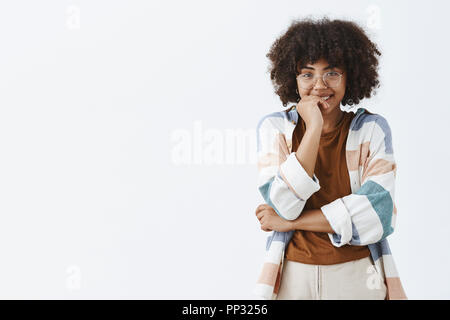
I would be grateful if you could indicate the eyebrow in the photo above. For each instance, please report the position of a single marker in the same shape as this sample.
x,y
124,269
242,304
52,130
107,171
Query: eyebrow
x,y
327,67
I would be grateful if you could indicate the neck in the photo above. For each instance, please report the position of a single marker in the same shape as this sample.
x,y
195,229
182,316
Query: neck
x,y
331,119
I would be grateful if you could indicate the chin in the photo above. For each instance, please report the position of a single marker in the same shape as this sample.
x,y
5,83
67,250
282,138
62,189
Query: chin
x,y
331,108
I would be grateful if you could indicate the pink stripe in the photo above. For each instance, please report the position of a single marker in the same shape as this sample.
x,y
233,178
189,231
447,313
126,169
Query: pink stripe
x,y
378,167
268,160
278,281
282,147
356,158
395,289
275,159
269,274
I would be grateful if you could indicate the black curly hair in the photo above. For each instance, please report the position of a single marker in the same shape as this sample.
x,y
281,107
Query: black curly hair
x,y
341,43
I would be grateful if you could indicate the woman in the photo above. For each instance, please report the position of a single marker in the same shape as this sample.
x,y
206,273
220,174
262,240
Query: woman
x,y
327,175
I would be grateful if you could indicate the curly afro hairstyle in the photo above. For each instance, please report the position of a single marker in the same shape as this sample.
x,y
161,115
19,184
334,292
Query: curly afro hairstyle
x,y
341,43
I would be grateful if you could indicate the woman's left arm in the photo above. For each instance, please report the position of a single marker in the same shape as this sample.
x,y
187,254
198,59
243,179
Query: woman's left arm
x,y
310,220
362,218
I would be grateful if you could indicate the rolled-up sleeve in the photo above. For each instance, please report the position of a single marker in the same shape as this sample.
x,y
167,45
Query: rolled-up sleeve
x,y
368,215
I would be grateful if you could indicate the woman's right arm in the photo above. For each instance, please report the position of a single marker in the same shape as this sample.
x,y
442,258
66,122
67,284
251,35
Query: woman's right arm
x,y
283,182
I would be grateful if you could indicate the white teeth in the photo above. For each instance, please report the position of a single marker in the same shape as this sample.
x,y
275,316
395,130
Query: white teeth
x,y
326,98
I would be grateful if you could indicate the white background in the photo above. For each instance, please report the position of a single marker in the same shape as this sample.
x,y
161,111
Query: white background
x,y
94,97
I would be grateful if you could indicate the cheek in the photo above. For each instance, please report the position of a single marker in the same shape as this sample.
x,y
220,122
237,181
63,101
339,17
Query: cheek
x,y
340,94
303,92
340,91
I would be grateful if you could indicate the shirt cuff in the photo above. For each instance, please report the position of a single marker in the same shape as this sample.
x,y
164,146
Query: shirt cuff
x,y
340,221
298,179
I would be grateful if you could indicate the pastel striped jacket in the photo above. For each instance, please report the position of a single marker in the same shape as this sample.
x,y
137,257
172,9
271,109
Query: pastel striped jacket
x,y
364,217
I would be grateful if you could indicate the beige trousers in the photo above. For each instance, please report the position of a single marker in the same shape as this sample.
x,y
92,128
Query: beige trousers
x,y
353,280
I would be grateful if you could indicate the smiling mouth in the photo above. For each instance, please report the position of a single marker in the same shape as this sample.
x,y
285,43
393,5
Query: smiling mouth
x,y
327,97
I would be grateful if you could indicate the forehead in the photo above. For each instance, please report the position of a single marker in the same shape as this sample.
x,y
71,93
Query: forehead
x,y
321,64
318,63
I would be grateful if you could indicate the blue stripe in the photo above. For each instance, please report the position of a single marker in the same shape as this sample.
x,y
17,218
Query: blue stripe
x,y
355,119
356,240
284,237
361,118
337,238
293,115
387,134
379,249
382,203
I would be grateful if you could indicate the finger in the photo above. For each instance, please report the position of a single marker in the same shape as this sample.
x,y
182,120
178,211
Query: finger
x,y
261,207
313,97
262,213
324,103
259,215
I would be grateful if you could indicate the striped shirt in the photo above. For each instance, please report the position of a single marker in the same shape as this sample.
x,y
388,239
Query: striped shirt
x,y
364,217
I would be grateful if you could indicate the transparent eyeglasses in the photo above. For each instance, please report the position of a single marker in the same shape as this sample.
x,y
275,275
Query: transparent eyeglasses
x,y
330,79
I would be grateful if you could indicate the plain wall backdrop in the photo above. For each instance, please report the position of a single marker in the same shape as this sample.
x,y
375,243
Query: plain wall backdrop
x,y
127,143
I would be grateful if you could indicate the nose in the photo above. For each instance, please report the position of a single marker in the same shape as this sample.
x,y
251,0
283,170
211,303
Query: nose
x,y
319,84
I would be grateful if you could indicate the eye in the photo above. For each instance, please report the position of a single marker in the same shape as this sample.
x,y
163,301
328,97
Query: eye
x,y
306,75
333,74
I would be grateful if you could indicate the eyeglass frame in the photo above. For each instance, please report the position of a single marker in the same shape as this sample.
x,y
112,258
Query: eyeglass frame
x,y
323,79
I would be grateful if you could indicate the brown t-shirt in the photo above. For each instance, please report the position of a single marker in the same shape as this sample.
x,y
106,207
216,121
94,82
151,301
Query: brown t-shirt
x,y
331,168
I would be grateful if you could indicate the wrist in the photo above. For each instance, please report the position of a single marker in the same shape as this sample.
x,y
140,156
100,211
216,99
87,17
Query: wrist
x,y
294,224
314,129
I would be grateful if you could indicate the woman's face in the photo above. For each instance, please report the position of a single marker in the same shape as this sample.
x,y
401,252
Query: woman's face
x,y
311,75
